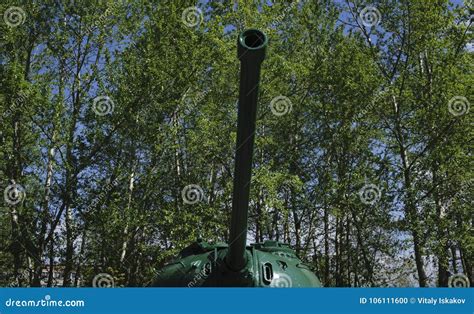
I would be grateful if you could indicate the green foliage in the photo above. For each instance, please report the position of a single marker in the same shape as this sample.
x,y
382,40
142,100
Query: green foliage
x,y
368,106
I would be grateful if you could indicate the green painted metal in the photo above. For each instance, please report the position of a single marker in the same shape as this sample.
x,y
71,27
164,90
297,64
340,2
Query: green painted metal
x,y
267,264
251,47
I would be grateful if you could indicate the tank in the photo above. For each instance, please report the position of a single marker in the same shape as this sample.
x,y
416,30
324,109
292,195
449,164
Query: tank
x,y
236,264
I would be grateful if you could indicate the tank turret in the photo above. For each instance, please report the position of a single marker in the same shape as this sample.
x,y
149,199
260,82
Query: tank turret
x,y
267,264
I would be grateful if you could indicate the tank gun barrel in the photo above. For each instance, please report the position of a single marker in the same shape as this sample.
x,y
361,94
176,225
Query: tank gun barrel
x,y
251,46
235,264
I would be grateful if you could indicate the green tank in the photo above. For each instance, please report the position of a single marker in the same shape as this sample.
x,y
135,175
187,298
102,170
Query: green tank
x,y
267,264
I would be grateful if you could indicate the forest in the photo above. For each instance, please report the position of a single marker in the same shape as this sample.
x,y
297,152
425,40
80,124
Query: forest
x,y
118,131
